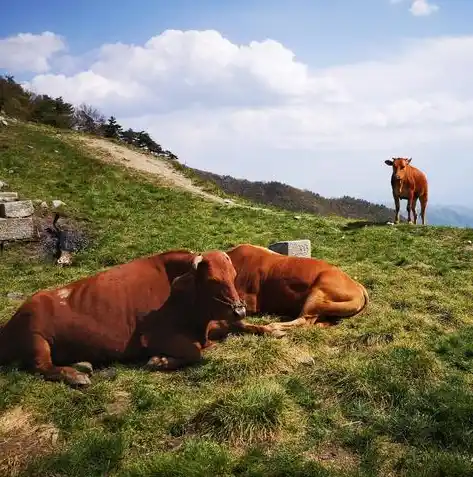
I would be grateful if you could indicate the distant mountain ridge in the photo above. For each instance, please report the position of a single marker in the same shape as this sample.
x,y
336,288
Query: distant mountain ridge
x,y
291,198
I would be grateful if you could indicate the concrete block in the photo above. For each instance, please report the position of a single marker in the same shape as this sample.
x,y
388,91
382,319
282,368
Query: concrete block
x,y
292,248
17,229
8,196
16,209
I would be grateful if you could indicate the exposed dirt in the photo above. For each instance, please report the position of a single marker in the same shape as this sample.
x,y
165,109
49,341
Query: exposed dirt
x,y
147,163
21,439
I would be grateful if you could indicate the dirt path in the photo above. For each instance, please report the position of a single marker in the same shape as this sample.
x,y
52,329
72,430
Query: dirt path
x,y
147,163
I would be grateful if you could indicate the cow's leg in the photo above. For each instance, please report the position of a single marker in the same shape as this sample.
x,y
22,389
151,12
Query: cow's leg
x,y
175,353
218,330
423,206
410,202
324,308
397,205
42,363
414,212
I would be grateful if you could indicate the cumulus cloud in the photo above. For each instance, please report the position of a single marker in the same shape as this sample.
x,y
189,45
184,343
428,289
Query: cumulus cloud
x,y
420,8
256,111
28,52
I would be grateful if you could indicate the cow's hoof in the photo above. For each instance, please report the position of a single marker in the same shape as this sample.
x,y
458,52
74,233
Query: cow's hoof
x,y
157,363
84,367
278,333
78,380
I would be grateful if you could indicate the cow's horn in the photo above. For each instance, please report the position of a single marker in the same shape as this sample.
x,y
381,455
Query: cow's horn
x,y
196,261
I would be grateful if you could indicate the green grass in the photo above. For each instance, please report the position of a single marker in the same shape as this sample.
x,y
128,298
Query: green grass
x,y
389,392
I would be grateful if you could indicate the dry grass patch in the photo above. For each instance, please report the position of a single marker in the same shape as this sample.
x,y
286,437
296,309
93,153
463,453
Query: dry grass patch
x,y
22,440
333,456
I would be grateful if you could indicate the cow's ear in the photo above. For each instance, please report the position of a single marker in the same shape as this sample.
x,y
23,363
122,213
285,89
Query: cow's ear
x,y
409,160
388,162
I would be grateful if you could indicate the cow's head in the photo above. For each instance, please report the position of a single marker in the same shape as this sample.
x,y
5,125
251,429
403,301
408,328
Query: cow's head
x,y
211,285
399,165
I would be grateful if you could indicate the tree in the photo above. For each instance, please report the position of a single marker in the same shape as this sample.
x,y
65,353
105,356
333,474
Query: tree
x,y
112,128
54,112
14,100
88,119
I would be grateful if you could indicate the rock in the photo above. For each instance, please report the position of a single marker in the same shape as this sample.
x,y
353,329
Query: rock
x,y
107,373
84,367
306,360
17,296
56,151
297,217
8,196
57,203
469,242
3,184
17,229
389,223
37,201
11,171
17,209
43,205
293,248
4,122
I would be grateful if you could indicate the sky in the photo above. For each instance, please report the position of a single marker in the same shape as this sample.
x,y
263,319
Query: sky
x,y
313,93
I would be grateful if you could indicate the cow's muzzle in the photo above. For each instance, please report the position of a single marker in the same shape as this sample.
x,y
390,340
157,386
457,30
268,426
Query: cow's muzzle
x,y
240,311
238,307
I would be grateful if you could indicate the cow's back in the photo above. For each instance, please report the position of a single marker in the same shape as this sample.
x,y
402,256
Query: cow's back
x,y
417,180
274,283
107,304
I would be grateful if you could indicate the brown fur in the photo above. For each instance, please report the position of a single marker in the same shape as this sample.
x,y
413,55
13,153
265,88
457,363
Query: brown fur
x,y
408,182
306,290
155,308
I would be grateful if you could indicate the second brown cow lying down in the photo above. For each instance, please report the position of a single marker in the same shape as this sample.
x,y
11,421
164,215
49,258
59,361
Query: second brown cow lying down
x,y
156,308
305,290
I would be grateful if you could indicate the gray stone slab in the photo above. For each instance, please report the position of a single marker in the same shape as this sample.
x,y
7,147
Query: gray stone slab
x,y
16,209
292,248
17,229
8,196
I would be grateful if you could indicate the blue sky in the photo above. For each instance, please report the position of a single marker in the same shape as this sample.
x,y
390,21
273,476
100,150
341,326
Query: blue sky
x,y
373,25
341,86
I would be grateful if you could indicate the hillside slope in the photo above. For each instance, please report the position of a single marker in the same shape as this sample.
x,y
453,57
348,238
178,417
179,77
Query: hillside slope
x,y
387,393
290,198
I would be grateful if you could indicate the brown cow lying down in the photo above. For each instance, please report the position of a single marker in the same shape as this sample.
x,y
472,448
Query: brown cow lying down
x,y
307,290
107,317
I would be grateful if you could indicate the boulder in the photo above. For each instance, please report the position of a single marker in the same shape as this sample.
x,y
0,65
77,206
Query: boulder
x,y
16,209
8,196
293,248
17,229
57,203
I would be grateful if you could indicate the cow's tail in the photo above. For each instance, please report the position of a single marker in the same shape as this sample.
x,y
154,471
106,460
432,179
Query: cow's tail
x,y
366,298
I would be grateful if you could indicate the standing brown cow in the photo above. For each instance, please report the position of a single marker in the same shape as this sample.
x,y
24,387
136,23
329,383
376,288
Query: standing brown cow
x,y
156,308
408,182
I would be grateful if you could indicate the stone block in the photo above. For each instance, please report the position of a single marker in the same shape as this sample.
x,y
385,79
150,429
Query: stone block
x,y
8,196
292,248
17,229
16,209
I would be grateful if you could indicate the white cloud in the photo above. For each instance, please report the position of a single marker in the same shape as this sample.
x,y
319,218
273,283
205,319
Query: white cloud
x,y
420,8
255,111
28,52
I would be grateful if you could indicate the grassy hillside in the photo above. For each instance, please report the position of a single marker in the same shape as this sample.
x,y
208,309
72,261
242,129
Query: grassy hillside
x,y
290,198
389,392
